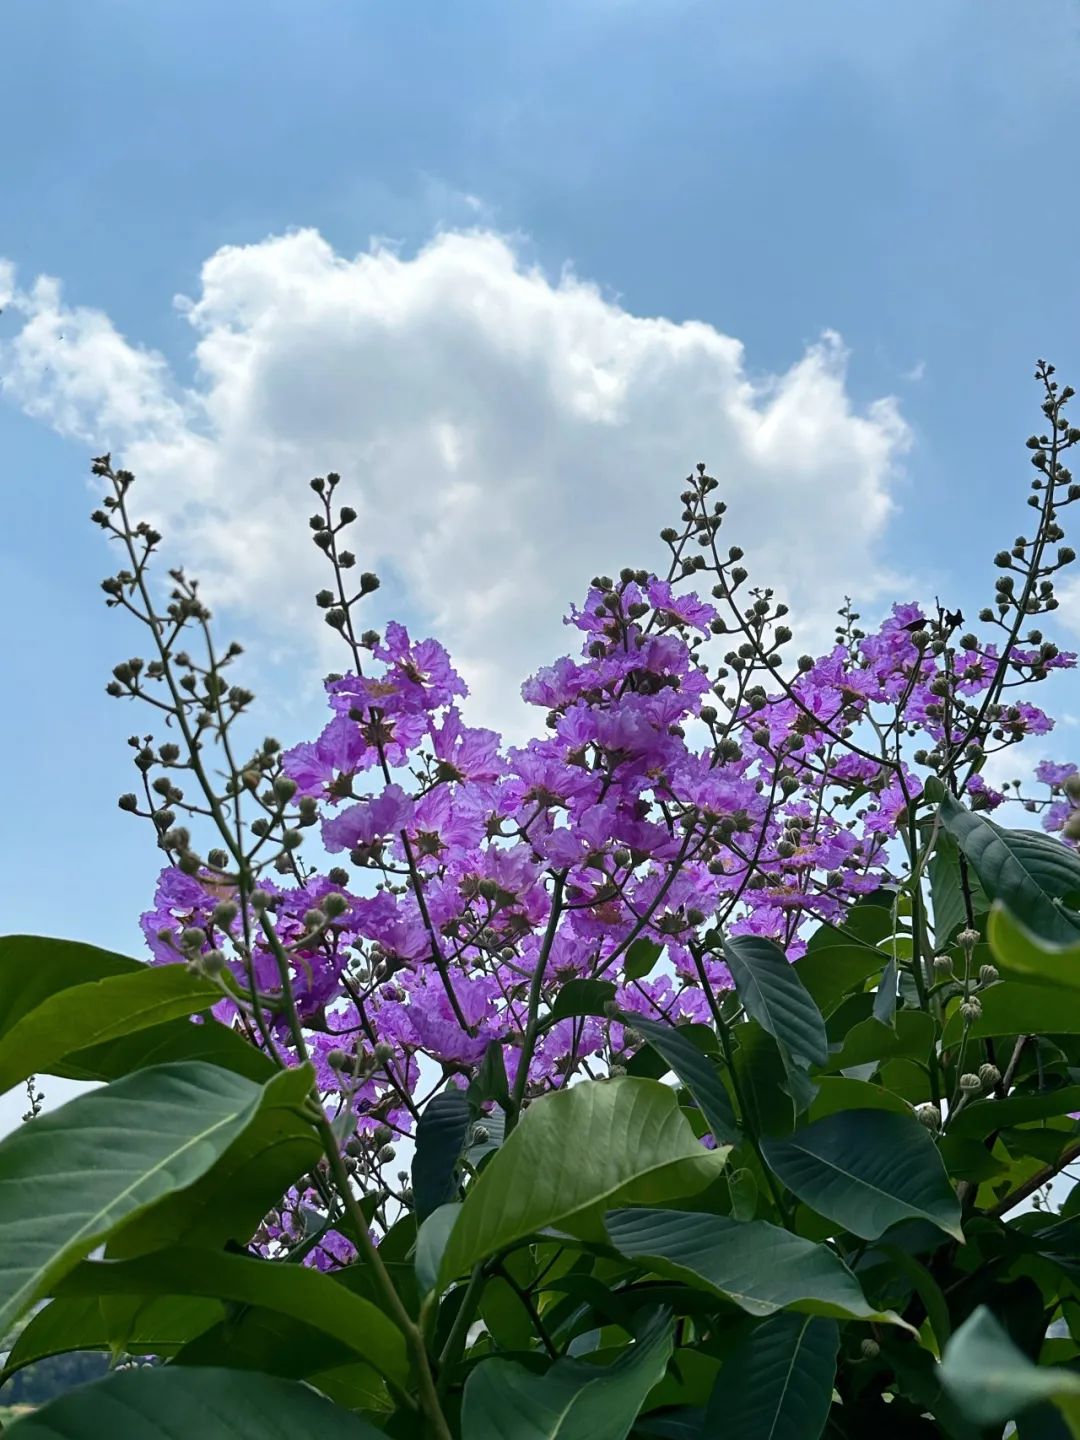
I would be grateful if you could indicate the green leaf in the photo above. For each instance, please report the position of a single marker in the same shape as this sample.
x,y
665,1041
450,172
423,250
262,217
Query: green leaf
x,y
838,961
99,1011
139,1327
33,968
73,1175
210,1041
166,1402
1030,873
440,1138
992,1381
885,997
640,958
757,1266
431,1243
867,1170
273,1149
774,995
909,1037
572,1400
947,891
1019,952
575,1154
840,1092
296,1290
778,1383
490,1082
1019,1007
696,1071
983,1117
581,997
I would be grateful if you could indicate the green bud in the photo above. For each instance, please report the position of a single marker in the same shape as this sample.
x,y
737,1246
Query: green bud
x,y
384,1052
334,905
285,787
989,1075
337,1059
988,975
382,1135
870,1348
970,1084
386,1154
928,1116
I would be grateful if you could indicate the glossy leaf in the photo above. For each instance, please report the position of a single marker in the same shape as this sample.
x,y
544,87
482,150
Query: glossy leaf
x,y
575,1154
774,995
210,1041
696,1071
97,1012
1032,874
581,997
73,1175
296,1290
757,1266
1020,953
992,1381
274,1148
164,1403
570,1401
33,968
867,1170
1019,1007
641,957
983,1117
440,1139
777,1384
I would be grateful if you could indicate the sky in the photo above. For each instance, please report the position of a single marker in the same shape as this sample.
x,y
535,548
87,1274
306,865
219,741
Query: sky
x,y
512,270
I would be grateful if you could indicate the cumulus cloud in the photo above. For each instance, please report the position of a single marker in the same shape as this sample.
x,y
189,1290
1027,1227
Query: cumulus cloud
x,y
504,436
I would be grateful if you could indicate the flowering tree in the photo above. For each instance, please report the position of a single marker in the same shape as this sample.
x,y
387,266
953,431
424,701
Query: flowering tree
x,y
681,1072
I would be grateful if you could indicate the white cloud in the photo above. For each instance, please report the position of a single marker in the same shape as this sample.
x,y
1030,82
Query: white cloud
x,y
504,437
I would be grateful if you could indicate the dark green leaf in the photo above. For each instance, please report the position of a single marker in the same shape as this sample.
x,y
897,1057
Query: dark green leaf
x,y
947,891
491,1082
273,1149
1030,873
867,1170
992,1381
137,1326
209,1041
97,1012
909,1037
774,995
575,1154
73,1175
757,1266
296,1290
696,1071
1019,1007
640,958
440,1138
777,1384
33,968
983,1117
431,1245
885,998
572,1400
166,1403
582,997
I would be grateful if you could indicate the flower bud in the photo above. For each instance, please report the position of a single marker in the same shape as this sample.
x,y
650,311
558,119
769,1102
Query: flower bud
x,y
334,906
481,1135
1071,828
928,1116
128,802
942,965
988,975
971,1009
224,913
970,1084
968,939
382,1135
285,787
989,1075
386,1154
870,1348
384,1052
213,962
337,1059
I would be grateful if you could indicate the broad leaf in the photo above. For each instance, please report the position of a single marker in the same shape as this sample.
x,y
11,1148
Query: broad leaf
x,y
34,968
885,998
867,1170
992,1381
440,1138
777,1384
640,958
431,1243
164,1403
983,1117
572,1400
947,890
72,1176
841,960
1019,1007
97,1012
757,1266
1019,952
274,1148
138,1327
575,1154
295,1290
1030,873
696,1071
210,1041
774,995
581,997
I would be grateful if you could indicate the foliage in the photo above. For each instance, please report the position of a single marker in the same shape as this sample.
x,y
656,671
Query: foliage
x,y
735,1047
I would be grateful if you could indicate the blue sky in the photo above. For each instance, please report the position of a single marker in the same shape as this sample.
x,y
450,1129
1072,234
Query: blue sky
x,y
898,175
